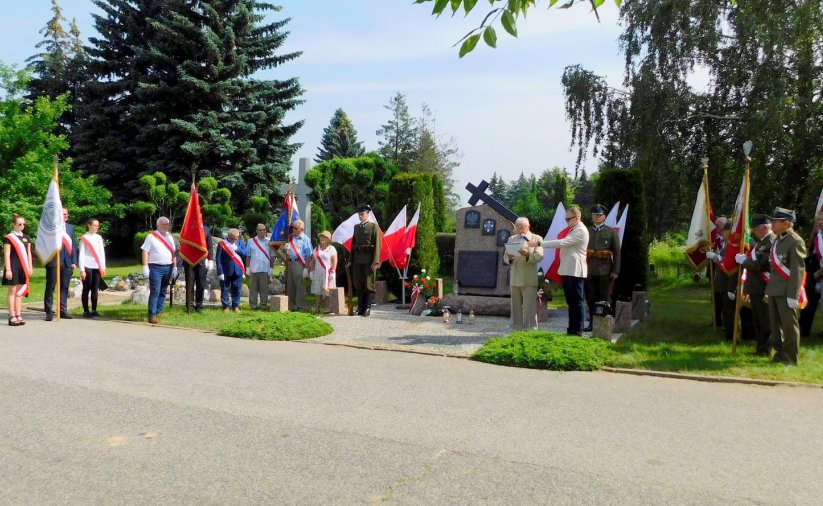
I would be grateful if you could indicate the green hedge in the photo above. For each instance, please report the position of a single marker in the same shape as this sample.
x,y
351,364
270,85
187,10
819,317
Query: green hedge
x,y
546,350
445,248
626,186
276,327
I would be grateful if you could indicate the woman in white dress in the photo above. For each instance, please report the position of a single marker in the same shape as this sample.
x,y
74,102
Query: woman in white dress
x,y
322,267
92,266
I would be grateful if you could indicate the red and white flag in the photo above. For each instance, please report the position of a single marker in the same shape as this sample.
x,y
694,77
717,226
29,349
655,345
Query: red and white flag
x,y
551,256
344,232
620,226
405,247
611,218
738,242
393,238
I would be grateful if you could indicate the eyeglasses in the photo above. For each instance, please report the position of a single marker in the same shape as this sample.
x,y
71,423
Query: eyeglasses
x,y
571,218
261,229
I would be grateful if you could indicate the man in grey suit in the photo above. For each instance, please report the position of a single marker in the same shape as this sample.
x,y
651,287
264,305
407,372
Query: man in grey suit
x,y
523,276
786,280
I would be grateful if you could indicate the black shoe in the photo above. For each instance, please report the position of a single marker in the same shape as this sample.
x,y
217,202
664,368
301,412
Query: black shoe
x,y
49,317
95,314
588,329
198,310
367,312
86,314
67,316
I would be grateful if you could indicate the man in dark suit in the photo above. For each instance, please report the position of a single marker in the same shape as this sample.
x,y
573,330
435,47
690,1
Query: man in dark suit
x,y
200,272
231,270
69,256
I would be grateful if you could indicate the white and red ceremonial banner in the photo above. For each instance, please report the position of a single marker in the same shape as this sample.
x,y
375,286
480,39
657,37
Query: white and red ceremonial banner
x,y
344,232
699,240
551,256
393,238
738,241
405,247
52,228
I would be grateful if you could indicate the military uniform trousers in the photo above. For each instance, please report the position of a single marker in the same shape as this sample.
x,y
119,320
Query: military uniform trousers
x,y
363,280
295,286
199,274
785,336
597,289
524,307
762,327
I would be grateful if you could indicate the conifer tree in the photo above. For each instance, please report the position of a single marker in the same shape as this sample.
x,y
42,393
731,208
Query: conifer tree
x,y
339,139
399,144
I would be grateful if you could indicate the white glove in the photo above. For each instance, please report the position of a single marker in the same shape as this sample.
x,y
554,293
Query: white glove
x,y
740,258
209,264
222,277
145,271
711,255
730,295
792,303
174,272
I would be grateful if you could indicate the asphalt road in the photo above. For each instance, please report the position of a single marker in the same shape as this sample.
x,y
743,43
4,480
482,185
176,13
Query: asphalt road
x,y
109,413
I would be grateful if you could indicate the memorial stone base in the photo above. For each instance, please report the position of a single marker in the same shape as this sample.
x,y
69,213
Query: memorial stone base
x,y
639,306
481,305
622,316
337,301
381,293
279,303
603,327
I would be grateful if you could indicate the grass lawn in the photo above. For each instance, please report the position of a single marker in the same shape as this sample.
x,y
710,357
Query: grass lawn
x,y
249,323
678,337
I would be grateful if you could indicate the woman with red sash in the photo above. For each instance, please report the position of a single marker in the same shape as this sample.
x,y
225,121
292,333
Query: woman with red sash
x,y
322,268
17,268
92,266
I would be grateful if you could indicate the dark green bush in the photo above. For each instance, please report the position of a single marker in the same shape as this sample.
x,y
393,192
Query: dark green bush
x,y
546,350
445,249
137,242
277,327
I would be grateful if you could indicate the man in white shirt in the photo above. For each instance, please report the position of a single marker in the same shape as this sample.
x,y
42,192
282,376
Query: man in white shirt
x,y
259,263
573,268
159,266
296,254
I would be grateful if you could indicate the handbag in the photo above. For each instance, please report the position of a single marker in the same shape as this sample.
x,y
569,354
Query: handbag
x,y
102,285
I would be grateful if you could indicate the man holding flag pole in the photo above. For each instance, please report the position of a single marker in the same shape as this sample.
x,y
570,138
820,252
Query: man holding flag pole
x,y
195,250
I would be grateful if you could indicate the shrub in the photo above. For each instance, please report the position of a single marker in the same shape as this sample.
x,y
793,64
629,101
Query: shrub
x,y
546,350
139,238
277,327
445,249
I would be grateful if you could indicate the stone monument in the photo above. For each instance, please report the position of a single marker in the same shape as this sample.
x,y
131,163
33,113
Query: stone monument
x,y
481,279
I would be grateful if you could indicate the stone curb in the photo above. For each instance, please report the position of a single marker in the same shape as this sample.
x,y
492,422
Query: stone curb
x,y
709,379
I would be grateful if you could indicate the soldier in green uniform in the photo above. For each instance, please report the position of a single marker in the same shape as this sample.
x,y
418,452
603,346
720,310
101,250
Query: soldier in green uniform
x,y
602,259
787,270
365,247
757,265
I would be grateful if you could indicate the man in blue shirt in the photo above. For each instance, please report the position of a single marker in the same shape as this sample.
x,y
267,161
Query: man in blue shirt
x,y
296,253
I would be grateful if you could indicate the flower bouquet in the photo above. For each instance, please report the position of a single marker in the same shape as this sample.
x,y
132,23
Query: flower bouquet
x,y
434,307
421,287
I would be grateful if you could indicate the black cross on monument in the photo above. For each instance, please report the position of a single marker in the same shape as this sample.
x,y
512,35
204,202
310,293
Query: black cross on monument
x,y
479,194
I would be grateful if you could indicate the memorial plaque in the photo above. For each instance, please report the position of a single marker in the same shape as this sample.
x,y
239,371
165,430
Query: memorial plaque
x,y
472,220
489,227
477,268
503,236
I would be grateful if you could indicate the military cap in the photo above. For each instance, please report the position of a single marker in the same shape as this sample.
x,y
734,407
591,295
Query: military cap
x,y
599,209
760,219
364,208
781,213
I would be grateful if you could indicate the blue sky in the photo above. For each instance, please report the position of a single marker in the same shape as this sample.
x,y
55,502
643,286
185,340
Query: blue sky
x,y
503,106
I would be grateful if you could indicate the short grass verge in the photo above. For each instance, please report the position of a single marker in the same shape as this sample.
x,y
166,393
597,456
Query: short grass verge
x,y
546,350
248,324
678,337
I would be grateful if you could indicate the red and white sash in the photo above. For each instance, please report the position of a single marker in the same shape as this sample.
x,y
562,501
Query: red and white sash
x,y
100,265
297,252
325,268
165,243
765,276
234,256
783,271
67,242
819,248
23,255
256,243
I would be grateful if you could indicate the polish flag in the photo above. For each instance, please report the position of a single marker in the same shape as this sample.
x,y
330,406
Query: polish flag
x,y
405,247
344,232
551,256
392,238
621,225
611,218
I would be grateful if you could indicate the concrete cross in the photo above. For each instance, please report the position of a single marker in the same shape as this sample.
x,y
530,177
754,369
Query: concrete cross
x,y
479,194
301,193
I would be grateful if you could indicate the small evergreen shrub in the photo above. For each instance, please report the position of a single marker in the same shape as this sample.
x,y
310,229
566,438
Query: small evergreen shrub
x,y
546,350
276,327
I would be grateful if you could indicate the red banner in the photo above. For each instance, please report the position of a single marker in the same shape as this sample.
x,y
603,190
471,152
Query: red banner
x,y
193,237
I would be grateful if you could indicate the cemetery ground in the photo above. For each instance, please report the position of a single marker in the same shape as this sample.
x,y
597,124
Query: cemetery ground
x,y
677,337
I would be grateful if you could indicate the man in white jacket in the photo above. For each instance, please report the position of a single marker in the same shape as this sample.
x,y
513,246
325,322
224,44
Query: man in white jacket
x,y
573,269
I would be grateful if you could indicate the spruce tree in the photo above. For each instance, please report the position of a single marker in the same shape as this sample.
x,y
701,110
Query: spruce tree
x,y
173,89
339,139
399,144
